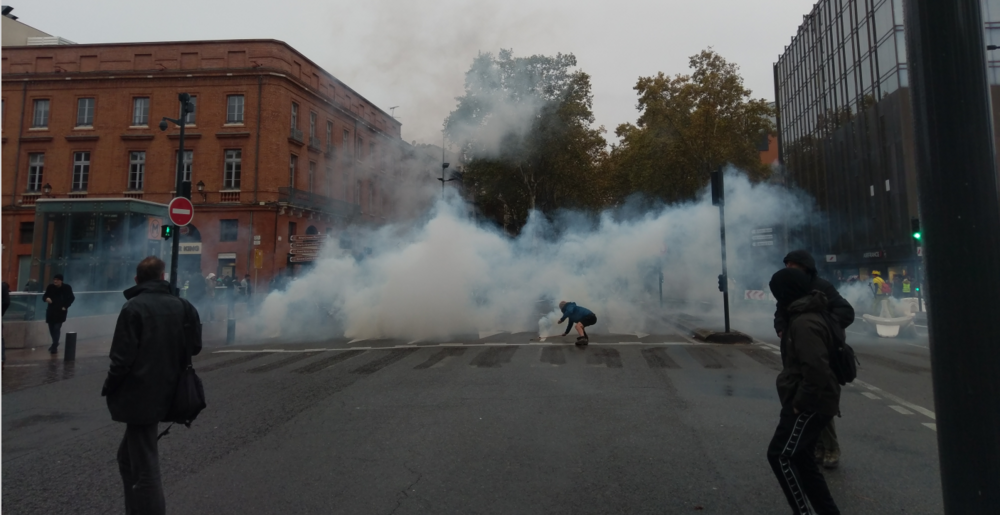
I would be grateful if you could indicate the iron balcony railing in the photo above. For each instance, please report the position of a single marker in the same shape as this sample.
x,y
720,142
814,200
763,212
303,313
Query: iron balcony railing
x,y
302,199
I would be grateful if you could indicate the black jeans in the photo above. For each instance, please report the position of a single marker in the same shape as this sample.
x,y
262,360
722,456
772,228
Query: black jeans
x,y
791,457
139,465
55,330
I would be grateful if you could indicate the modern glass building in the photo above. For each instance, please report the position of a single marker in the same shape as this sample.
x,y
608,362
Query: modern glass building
x,y
845,131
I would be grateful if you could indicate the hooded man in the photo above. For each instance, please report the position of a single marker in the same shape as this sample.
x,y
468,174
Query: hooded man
x,y
808,390
578,316
59,296
828,447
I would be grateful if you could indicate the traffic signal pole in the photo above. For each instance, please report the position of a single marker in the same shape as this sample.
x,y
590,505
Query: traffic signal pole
x,y
719,198
960,218
186,107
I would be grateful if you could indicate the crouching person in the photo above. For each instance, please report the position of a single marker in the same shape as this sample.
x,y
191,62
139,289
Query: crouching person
x,y
809,394
147,358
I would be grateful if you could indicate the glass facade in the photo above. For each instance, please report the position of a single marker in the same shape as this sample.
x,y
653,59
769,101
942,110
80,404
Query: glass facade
x,y
845,127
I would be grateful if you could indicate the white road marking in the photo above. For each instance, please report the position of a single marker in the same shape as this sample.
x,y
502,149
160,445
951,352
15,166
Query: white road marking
x,y
22,365
452,344
641,335
930,425
778,352
487,334
901,410
915,345
923,411
871,396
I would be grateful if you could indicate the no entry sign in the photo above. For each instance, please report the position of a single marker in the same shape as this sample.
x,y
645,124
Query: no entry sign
x,y
181,211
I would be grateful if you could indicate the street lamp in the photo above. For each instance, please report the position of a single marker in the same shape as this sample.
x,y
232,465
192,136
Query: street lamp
x,y
186,107
444,166
201,189
46,189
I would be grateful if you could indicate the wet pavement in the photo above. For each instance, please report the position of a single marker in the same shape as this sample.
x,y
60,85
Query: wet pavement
x,y
477,424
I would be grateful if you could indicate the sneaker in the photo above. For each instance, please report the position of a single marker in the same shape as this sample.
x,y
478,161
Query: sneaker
x,y
831,460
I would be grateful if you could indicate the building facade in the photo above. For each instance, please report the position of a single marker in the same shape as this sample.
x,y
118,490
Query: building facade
x,y
276,148
846,132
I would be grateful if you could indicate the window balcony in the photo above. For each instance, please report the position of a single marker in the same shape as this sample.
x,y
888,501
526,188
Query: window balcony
x,y
134,194
302,199
232,196
295,136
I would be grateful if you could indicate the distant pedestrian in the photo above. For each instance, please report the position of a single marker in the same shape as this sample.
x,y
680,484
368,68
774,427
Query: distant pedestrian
x,y
882,291
147,358
828,448
907,287
210,295
246,288
59,297
897,286
808,390
580,318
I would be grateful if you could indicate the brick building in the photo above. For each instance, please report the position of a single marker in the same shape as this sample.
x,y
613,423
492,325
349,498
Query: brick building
x,y
276,146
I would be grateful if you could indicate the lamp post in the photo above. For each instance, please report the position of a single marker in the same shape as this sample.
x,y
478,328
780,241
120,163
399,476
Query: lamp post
x,y
47,189
186,107
444,166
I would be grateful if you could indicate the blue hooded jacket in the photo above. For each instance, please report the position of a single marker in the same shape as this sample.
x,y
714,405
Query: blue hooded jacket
x,y
574,313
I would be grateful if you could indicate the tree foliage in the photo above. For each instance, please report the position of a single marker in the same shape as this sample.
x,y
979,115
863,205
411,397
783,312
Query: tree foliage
x,y
524,129
688,126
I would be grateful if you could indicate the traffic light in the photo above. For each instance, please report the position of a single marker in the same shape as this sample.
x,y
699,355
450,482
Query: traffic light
x,y
166,231
722,283
915,228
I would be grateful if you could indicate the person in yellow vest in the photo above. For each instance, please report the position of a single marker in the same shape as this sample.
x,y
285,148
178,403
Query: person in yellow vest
x,y
882,291
907,289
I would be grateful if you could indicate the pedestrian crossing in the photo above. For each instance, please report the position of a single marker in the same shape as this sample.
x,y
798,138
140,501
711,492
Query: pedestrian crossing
x,y
365,361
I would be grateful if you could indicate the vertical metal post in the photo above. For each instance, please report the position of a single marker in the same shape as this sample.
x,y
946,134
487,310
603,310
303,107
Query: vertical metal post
x,y
69,350
960,218
661,287
725,273
175,250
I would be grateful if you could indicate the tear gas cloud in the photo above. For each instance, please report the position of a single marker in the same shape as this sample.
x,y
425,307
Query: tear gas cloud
x,y
447,275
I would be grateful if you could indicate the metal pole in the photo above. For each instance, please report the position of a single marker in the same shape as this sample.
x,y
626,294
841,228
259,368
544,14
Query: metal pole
x,y
175,250
725,273
69,350
960,218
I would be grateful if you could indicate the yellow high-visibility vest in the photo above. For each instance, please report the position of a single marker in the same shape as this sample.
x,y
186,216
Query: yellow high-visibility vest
x,y
906,286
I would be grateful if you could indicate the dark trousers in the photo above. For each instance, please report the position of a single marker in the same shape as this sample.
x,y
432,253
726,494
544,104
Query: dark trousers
x,y
139,465
55,330
791,457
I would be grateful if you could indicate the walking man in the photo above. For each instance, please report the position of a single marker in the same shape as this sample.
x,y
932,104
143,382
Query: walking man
x,y
579,317
147,358
828,448
59,297
808,391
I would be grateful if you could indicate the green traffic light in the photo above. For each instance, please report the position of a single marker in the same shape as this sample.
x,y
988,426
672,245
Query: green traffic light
x,y
916,235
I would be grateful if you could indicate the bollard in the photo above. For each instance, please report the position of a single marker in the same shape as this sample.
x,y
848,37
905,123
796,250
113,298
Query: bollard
x,y
69,351
230,331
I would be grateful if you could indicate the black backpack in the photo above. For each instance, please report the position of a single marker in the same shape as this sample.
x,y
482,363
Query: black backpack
x,y
189,395
843,362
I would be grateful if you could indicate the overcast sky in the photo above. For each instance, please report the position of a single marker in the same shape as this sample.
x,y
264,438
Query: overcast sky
x,y
414,54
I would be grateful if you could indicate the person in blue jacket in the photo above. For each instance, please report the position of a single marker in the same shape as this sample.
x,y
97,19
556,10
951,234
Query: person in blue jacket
x,y
578,316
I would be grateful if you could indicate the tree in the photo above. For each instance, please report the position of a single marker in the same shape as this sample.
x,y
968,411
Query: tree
x,y
524,129
690,125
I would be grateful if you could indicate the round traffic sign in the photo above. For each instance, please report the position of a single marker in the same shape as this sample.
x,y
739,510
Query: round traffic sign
x,y
181,211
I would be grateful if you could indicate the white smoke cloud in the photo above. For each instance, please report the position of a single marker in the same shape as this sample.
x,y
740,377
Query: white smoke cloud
x,y
449,276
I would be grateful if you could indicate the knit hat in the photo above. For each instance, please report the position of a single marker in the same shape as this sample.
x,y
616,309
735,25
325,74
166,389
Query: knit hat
x,y
790,284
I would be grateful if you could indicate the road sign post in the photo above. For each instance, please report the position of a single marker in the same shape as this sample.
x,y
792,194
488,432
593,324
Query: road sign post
x,y
183,191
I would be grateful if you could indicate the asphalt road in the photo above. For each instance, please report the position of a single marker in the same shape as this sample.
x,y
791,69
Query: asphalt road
x,y
658,424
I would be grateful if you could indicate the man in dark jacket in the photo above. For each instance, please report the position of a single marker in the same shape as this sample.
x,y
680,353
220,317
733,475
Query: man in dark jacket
x,y
147,358
59,296
578,316
808,390
828,447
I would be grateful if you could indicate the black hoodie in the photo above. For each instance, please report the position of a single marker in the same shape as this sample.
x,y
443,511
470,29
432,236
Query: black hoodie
x,y
838,306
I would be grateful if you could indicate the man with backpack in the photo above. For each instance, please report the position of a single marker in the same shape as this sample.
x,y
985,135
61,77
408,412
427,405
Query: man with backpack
x,y
148,357
809,391
882,291
828,448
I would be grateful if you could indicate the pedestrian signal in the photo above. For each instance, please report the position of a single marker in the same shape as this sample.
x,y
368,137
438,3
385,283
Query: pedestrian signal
x,y
722,283
166,231
915,228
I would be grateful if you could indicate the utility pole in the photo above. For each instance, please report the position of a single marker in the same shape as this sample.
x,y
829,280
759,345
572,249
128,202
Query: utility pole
x,y
719,199
180,190
444,166
960,219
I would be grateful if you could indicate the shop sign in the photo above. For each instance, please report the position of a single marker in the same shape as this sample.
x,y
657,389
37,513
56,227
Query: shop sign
x,y
190,248
873,254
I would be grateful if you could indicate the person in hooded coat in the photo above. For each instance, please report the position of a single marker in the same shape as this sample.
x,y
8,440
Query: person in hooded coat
x,y
147,358
808,390
59,297
828,447
578,316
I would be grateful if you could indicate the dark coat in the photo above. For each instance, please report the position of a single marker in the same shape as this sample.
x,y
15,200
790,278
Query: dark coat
x,y
147,353
62,297
806,382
